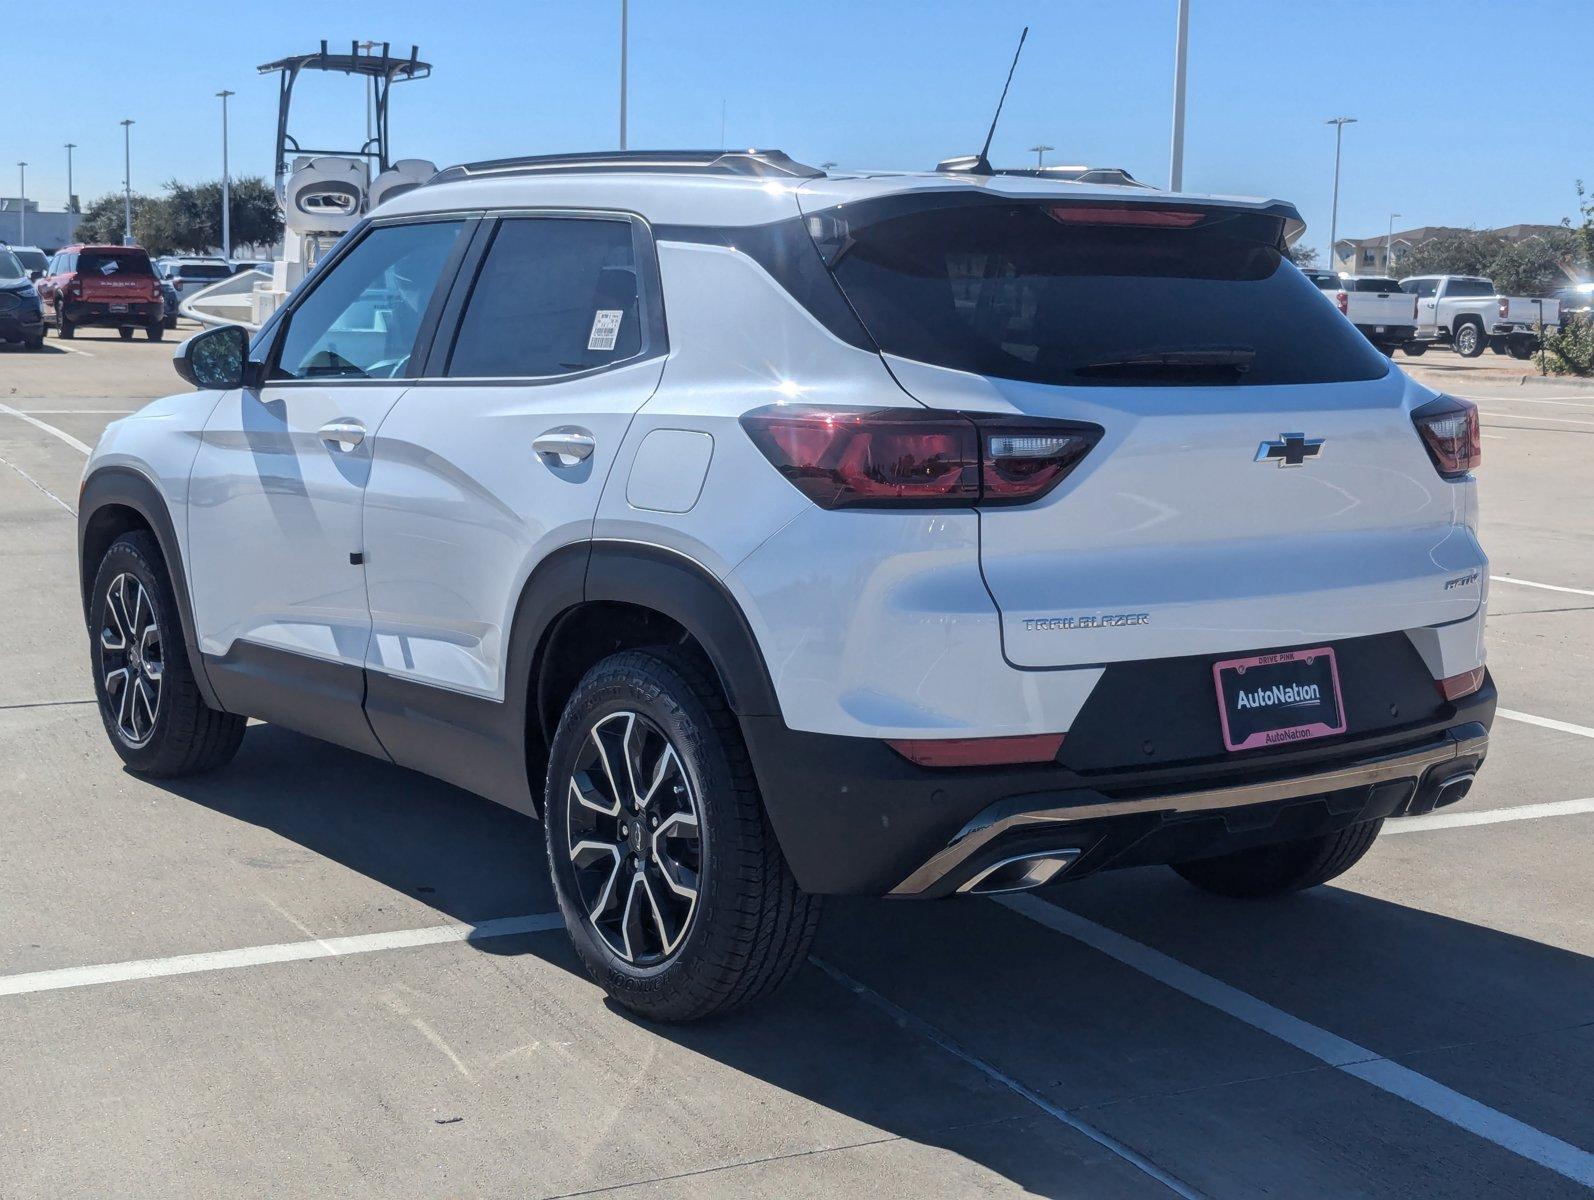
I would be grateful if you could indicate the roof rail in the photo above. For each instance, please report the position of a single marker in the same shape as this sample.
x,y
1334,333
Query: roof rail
x,y
757,163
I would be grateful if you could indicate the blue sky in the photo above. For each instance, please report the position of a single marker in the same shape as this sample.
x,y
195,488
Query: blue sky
x,y
1470,113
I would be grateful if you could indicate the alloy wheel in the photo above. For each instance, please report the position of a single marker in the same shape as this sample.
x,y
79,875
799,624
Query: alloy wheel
x,y
635,840
132,661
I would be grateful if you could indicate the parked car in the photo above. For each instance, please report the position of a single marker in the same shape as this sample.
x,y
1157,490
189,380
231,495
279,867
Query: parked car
x,y
191,274
33,260
1385,315
21,315
1467,313
170,300
104,285
886,559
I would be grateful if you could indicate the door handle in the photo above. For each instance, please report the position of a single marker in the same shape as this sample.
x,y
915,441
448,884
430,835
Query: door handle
x,y
346,434
569,444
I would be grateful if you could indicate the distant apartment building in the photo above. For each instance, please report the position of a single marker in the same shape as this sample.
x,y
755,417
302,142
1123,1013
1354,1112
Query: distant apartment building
x,y
1371,256
34,226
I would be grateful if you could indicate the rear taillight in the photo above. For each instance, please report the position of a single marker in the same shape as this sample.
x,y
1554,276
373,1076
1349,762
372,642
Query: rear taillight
x,y
916,458
1505,307
1450,430
980,752
1129,214
1343,300
1456,687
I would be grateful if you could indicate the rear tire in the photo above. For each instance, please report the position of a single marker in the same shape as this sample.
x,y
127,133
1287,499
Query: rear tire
x,y
148,700
1468,339
747,927
1415,349
1284,867
154,332
1521,348
127,332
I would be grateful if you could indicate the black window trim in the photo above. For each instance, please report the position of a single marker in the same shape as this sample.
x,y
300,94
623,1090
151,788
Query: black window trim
x,y
650,298
268,342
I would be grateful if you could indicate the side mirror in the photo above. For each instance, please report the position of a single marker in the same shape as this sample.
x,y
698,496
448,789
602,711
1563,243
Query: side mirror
x,y
217,359
35,275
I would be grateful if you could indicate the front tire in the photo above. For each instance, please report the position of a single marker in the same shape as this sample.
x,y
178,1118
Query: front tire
x,y
149,703
673,888
1284,867
64,329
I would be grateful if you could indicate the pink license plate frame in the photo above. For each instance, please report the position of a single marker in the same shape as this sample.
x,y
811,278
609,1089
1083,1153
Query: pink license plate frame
x,y
1284,734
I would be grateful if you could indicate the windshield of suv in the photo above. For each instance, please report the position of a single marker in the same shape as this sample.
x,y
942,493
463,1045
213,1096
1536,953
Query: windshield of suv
x,y
113,263
11,268
31,260
1067,292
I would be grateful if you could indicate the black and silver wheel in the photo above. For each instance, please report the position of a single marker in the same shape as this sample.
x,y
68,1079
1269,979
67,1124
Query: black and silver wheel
x,y
672,885
1468,339
150,705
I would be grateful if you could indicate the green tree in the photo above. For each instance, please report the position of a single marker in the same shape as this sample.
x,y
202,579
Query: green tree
x,y
102,221
1465,252
1303,256
1535,266
1570,349
193,218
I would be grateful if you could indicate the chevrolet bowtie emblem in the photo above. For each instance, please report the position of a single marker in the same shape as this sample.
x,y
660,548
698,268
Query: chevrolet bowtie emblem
x,y
1291,450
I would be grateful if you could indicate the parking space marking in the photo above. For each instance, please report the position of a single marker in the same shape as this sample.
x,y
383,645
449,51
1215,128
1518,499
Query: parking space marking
x,y
254,956
929,1032
1509,416
80,447
1489,816
1548,587
1544,722
40,486
76,412
72,350
1445,1103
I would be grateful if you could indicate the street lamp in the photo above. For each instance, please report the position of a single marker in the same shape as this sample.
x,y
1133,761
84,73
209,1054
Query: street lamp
x,y
1339,124
226,184
22,199
1040,155
127,182
1176,152
70,146
1389,245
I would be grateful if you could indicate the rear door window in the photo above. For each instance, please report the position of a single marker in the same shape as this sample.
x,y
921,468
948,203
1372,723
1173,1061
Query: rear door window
x,y
1070,293
554,296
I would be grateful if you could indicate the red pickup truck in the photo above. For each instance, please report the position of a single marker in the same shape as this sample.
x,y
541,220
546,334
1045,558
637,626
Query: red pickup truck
x,y
103,285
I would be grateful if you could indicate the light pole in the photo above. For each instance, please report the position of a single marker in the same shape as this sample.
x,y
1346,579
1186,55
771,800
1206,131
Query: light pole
x,y
127,182
226,183
1389,246
367,46
70,146
1040,155
1176,153
1339,124
22,199
625,19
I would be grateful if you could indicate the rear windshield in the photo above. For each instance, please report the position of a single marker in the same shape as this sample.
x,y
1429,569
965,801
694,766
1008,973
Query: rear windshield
x,y
1469,287
1373,285
203,270
1061,292
1323,279
113,263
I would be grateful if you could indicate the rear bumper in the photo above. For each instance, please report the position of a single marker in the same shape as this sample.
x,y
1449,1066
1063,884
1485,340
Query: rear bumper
x,y
1518,329
854,817
96,312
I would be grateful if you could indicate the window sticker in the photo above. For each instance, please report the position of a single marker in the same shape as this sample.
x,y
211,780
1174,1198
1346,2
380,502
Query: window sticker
x,y
109,266
605,329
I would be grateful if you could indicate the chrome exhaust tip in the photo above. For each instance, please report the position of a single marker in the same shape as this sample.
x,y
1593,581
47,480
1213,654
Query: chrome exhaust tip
x,y
1453,789
1020,872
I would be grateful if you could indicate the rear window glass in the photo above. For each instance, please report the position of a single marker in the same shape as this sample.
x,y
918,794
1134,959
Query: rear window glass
x,y
1323,279
203,271
1374,285
113,263
1066,293
1469,287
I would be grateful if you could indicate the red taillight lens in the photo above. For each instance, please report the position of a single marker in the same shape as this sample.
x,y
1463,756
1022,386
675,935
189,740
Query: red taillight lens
x,y
915,458
1450,430
980,752
1458,686
1505,307
1341,299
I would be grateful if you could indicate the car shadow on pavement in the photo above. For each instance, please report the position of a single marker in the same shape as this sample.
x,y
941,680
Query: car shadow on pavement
x,y
1212,1100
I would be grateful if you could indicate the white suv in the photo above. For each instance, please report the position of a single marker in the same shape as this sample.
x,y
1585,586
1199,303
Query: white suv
x,y
770,534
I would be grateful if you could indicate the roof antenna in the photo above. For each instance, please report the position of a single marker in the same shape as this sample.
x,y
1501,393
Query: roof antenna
x,y
982,165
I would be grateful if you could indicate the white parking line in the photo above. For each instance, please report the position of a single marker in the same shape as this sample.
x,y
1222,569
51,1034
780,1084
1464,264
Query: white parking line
x,y
925,1030
1506,416
40,486
254,956
1544,722
1489,816
72,350
1548,587
1443,1102
66,437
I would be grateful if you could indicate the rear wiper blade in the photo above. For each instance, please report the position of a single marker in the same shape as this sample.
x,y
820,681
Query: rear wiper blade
x,y
1238,357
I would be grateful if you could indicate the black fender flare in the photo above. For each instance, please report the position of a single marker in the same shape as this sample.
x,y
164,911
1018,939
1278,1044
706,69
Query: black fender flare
x,y
125,487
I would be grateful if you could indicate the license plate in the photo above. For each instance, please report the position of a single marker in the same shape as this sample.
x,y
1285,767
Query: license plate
x,y
1274,699
118,308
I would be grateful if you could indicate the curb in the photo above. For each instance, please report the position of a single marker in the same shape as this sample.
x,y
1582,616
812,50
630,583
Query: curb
x,y
1456,377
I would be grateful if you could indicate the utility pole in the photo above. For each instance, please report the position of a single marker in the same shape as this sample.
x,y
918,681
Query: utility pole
x,y
127,182
70,198
1389,246
226,183
1339,124
1181,44
625,18
1040,155
22,199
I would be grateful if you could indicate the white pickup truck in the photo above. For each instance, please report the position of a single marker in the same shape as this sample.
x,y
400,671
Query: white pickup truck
x,y
1386,315
1466,312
